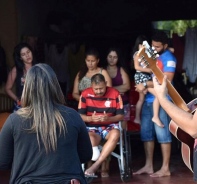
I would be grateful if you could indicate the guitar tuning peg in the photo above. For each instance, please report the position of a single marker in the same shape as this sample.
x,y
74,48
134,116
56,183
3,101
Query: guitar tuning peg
x,y
157,55
153,48
140,59
155,51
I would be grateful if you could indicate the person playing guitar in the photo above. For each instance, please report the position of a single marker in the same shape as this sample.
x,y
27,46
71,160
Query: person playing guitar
x,y
184,119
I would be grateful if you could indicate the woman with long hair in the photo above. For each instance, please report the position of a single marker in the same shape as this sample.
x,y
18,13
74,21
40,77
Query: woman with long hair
x,y
44,141
120,81
90,67
24,59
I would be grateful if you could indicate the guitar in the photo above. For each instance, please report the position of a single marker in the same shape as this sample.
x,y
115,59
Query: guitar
x,y
148,58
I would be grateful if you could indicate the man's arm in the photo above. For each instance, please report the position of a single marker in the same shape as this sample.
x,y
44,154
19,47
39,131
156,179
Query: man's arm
x,y
183,119
101,119
112,119
170,75
140,87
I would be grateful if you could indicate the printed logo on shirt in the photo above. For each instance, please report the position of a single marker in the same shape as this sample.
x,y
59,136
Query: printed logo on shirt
x,y
171,64
107,103
91,95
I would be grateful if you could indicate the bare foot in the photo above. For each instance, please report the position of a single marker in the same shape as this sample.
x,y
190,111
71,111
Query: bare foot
x,y
157,121
160,173
91,171
104,174
144,170
136,121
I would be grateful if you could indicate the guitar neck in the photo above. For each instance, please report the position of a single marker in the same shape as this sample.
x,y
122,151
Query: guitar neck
x,y
176,98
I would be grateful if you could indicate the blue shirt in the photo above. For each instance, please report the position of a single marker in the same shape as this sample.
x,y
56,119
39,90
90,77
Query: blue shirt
x,y
167,63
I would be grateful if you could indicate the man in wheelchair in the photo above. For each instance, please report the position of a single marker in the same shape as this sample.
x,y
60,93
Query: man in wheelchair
x,y
101,108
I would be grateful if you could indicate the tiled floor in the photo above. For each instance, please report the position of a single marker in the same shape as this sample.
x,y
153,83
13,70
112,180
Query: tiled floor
x,y
180,174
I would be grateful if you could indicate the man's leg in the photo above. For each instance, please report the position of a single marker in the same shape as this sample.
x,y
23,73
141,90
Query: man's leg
x,y
164,138
147,136
149,149
112,139
164,171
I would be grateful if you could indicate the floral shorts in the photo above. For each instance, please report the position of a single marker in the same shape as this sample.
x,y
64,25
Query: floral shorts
x,y
103,130
141,77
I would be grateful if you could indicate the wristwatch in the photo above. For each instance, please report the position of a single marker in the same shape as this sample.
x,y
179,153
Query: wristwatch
x,y
145,85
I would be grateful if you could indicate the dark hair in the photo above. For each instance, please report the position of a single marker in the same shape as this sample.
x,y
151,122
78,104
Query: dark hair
x,y
120,62
17,56
97,78
139,40
84,69
160,36
92,52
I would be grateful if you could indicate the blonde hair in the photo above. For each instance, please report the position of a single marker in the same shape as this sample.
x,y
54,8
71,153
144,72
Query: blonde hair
x,y
41,100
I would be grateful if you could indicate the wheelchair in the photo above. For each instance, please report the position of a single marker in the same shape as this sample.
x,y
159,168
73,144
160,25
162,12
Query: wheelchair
x,y
123,156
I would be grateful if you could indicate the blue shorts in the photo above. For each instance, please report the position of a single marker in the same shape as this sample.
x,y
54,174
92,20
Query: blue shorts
x,y
150,130
104,130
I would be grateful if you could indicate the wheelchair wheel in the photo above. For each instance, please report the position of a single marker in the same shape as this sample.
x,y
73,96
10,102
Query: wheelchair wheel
x,y
126,172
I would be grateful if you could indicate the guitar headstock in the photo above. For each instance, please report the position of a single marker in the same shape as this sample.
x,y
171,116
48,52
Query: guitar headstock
x,y
148,56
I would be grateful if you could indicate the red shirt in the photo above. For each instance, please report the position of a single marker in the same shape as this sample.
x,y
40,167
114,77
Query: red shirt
x,y
110,102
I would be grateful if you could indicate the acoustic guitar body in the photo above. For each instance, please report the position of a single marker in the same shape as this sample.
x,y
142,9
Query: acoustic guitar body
x,y
187,141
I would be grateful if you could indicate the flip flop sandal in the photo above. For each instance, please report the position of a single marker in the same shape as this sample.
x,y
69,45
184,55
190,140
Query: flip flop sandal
x,y
89,178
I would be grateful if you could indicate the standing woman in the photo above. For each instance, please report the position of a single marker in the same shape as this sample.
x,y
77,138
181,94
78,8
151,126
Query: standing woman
x,y
120,79
24,60
121,82
44,141
83,77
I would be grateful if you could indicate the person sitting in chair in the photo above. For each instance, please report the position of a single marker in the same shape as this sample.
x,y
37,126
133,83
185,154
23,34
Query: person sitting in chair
x,y
101,108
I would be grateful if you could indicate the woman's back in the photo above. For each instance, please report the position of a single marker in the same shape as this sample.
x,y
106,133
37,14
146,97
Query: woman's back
x,y
33,164
44,141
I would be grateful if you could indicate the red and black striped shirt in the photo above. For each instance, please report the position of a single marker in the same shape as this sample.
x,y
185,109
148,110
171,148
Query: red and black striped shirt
x,y
110,102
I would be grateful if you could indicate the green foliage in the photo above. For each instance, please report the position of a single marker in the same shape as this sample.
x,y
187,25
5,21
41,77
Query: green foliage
x,y
178,26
